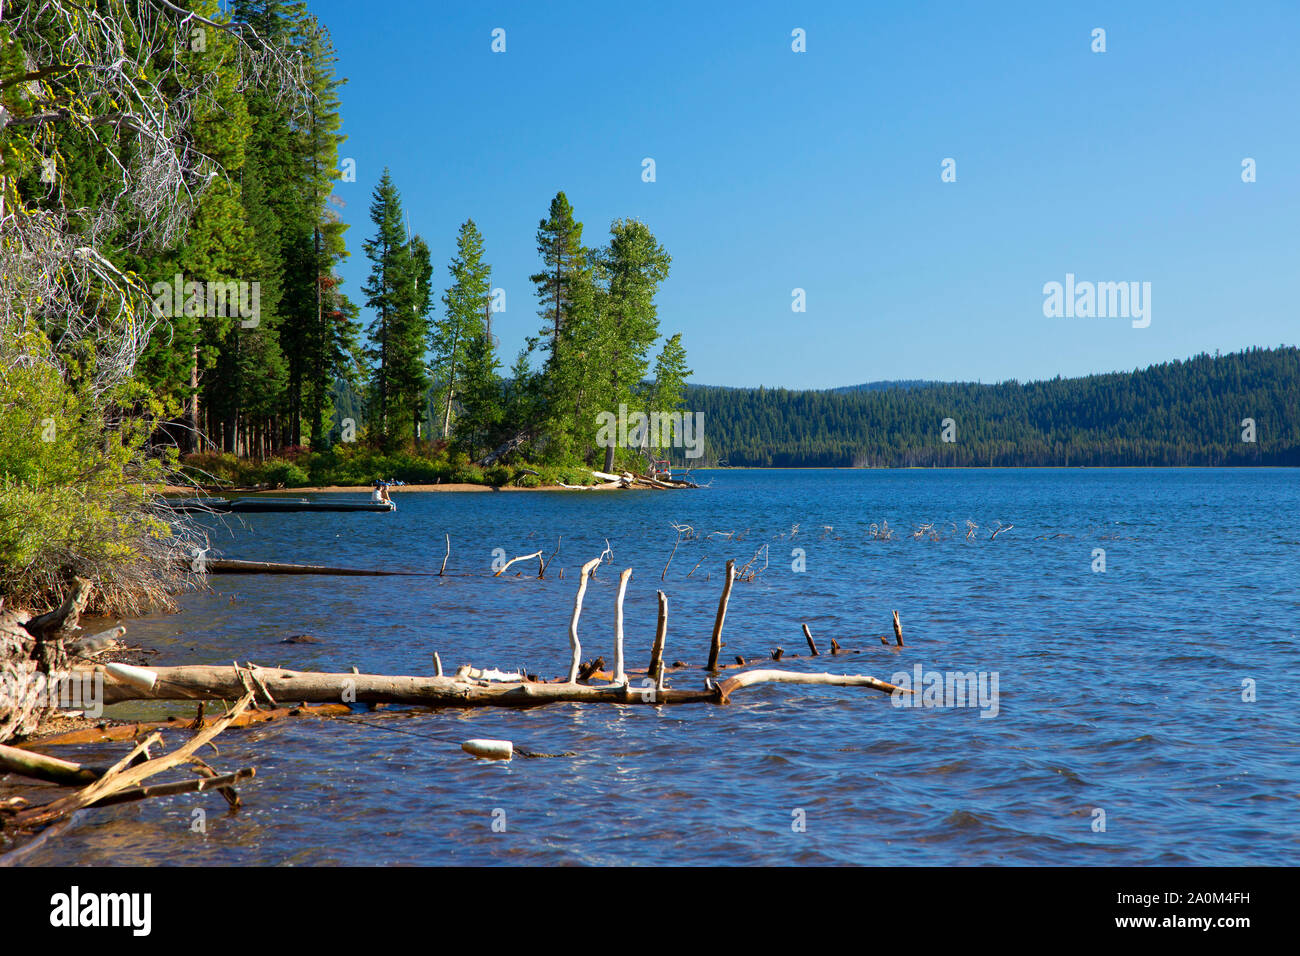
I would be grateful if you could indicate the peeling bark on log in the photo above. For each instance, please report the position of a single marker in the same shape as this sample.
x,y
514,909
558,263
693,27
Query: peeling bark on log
x,y
205,682
32,649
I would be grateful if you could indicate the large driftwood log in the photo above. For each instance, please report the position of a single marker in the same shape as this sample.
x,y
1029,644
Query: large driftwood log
x,y
234,566
205,682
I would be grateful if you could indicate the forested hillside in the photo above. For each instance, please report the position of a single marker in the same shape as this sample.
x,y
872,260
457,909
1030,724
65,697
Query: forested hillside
x,y
1177,413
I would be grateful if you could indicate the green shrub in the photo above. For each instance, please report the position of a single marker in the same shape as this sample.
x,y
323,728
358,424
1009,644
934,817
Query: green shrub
x,y
75,485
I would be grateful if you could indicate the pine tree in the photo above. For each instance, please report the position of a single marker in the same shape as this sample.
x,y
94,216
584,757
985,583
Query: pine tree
x,y
410,376
330,337
559,243
462,328
388,292
635,264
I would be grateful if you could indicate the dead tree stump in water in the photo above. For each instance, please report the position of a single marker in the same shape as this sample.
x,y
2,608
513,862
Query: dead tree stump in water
x,y
716,646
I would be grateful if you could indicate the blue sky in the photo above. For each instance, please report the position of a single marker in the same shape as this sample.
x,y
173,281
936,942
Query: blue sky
x,y
778,170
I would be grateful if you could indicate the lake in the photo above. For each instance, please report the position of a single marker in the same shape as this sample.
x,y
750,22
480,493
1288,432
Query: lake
x,y
1145,713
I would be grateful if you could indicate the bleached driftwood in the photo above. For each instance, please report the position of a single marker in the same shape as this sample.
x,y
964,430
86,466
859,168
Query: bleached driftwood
x,y
208,682
750,678
619,676
128,773
575,645
522,557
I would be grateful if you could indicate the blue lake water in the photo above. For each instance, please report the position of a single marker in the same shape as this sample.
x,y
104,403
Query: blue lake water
x,y
1118,691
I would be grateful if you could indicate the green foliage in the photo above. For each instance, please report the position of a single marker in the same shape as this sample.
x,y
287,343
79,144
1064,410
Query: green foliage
x,y
73,488
464,361
398,290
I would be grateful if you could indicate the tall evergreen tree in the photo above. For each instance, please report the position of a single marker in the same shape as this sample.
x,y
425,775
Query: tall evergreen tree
x,y
635,264
387,291
462,322
399,291
410,370
559,243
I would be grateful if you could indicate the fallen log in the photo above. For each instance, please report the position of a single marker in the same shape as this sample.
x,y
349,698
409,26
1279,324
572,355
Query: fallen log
x,y
505,448
109,734
50,769
211,682
232,566
750,678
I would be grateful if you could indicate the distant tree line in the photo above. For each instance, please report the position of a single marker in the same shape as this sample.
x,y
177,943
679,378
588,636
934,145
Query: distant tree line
x,y
1175,413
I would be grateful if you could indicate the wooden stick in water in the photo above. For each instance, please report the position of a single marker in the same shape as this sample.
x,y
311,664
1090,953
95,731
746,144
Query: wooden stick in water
x,y
522,557
619,676
715,646
661,633
811,645
574,644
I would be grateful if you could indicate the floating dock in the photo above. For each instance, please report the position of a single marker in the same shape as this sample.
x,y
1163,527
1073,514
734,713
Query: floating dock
x,y
250,505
